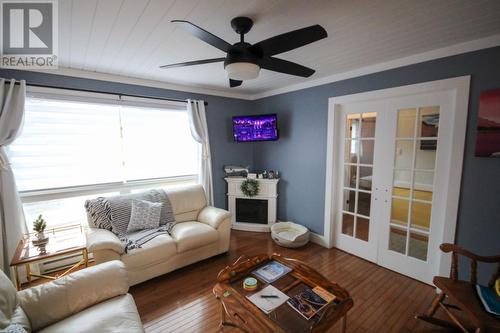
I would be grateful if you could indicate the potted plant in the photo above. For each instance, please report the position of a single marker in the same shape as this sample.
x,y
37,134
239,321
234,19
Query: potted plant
x,y
39,226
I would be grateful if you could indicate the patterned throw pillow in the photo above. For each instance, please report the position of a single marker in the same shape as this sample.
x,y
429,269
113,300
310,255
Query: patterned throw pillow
x,y
144,215
99,213
13,328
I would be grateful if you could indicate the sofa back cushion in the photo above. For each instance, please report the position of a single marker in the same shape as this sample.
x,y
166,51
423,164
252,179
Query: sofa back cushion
x,y
187,202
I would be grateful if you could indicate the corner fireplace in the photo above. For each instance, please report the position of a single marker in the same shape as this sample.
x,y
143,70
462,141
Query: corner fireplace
x,y
256,213
251,211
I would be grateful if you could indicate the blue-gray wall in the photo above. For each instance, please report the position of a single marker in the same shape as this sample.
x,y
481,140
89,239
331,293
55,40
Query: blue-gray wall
x,y
219,112
300,153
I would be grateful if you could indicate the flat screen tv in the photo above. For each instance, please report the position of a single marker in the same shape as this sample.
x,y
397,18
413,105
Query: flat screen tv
x,y
255,128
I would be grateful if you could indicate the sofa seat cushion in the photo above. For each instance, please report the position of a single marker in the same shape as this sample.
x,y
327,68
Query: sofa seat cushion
x,y
192,234
157,250
118,314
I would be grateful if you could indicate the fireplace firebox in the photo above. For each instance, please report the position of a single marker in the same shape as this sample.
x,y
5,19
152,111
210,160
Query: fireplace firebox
x,y
251,211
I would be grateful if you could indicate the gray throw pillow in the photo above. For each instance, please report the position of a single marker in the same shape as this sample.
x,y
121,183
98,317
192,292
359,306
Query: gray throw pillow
x,y
144,215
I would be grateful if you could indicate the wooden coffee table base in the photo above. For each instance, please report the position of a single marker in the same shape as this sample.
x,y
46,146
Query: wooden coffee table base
x,y
238,312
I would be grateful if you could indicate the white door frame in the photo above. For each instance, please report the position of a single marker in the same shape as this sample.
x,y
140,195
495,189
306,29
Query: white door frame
x,y
459,87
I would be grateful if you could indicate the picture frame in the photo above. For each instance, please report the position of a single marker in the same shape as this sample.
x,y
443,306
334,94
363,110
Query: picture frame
x,y
488,124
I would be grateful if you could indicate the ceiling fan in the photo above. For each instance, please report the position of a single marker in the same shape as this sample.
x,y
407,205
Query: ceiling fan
x,y
243,60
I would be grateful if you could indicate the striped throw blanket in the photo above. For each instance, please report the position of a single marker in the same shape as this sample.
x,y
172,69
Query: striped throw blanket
x,y
135,240
113,213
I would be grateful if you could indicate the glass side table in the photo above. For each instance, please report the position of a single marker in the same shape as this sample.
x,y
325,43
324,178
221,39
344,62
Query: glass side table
x,y
62,242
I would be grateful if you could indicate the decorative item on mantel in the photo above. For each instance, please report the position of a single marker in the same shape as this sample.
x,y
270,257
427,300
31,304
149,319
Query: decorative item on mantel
x,y
41,240
236,170
250,187
269,174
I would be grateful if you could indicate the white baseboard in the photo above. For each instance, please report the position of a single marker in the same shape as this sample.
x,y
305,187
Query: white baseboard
x,y
319,239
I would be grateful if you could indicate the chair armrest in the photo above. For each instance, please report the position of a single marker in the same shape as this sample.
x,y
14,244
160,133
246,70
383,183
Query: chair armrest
x,y
101,239
447,247
53,301
213,216
474,258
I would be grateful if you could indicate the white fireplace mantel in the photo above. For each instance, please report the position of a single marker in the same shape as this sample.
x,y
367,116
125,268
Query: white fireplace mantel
x,y
268,190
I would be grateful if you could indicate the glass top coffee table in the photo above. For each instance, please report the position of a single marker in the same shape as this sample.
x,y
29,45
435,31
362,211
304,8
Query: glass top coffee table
x,y
238,311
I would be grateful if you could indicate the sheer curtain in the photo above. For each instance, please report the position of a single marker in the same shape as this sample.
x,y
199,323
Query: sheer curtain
x,y
12,222
199,131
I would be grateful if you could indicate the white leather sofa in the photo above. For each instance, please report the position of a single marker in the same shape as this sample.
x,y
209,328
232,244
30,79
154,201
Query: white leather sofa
x,y
94,300
201,232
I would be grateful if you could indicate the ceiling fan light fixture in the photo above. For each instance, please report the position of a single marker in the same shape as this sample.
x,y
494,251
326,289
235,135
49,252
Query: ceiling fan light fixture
x,y
243,60
242,71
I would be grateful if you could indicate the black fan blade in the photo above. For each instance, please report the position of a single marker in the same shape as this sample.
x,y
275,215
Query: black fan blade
x,y
192,63
235,83
202,34
284,66
289,41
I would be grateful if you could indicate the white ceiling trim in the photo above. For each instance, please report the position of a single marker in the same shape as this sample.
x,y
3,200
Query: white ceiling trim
x,y
448,51
140,82
460,48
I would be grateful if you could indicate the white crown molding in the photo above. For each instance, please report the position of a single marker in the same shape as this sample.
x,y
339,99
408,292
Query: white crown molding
x,y
138,81
470,46
452,50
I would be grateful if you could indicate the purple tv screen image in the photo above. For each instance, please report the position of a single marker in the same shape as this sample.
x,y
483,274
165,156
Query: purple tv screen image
x,y
255,128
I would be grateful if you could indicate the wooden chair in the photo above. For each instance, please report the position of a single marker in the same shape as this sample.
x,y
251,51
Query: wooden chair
x,y
462,295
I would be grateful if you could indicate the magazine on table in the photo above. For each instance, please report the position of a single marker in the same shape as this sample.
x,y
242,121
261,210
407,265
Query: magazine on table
x,y
271,271
310,301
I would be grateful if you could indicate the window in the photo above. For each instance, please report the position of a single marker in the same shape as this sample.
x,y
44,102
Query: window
x,y
75,148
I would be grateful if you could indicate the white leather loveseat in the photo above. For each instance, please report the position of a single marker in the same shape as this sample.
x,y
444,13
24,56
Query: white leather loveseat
x,y
94,300
201,232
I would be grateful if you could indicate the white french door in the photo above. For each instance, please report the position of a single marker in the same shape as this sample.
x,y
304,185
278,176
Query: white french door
x,y
393,169
360,164
412,200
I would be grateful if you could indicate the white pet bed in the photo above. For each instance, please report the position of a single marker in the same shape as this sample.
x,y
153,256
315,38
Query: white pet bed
x,y
289,234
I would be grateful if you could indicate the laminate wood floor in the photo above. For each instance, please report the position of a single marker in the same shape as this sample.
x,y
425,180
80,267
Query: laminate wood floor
x,y
384,301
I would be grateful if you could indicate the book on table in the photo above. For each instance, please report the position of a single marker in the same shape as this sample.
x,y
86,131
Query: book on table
x,y
310,301
271,271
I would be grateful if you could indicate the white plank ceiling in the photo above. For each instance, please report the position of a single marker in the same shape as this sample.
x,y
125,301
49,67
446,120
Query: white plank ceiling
x,y
132,38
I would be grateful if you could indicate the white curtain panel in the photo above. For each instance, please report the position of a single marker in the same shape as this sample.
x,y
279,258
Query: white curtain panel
x,y
199,131
12,222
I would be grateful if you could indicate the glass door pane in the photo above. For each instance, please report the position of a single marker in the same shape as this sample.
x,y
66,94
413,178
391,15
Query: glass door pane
x,y
358,172
413,180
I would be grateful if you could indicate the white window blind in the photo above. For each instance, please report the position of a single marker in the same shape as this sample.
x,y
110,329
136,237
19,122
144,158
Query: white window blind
x,y
66,143
70,143
157,143
106,147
